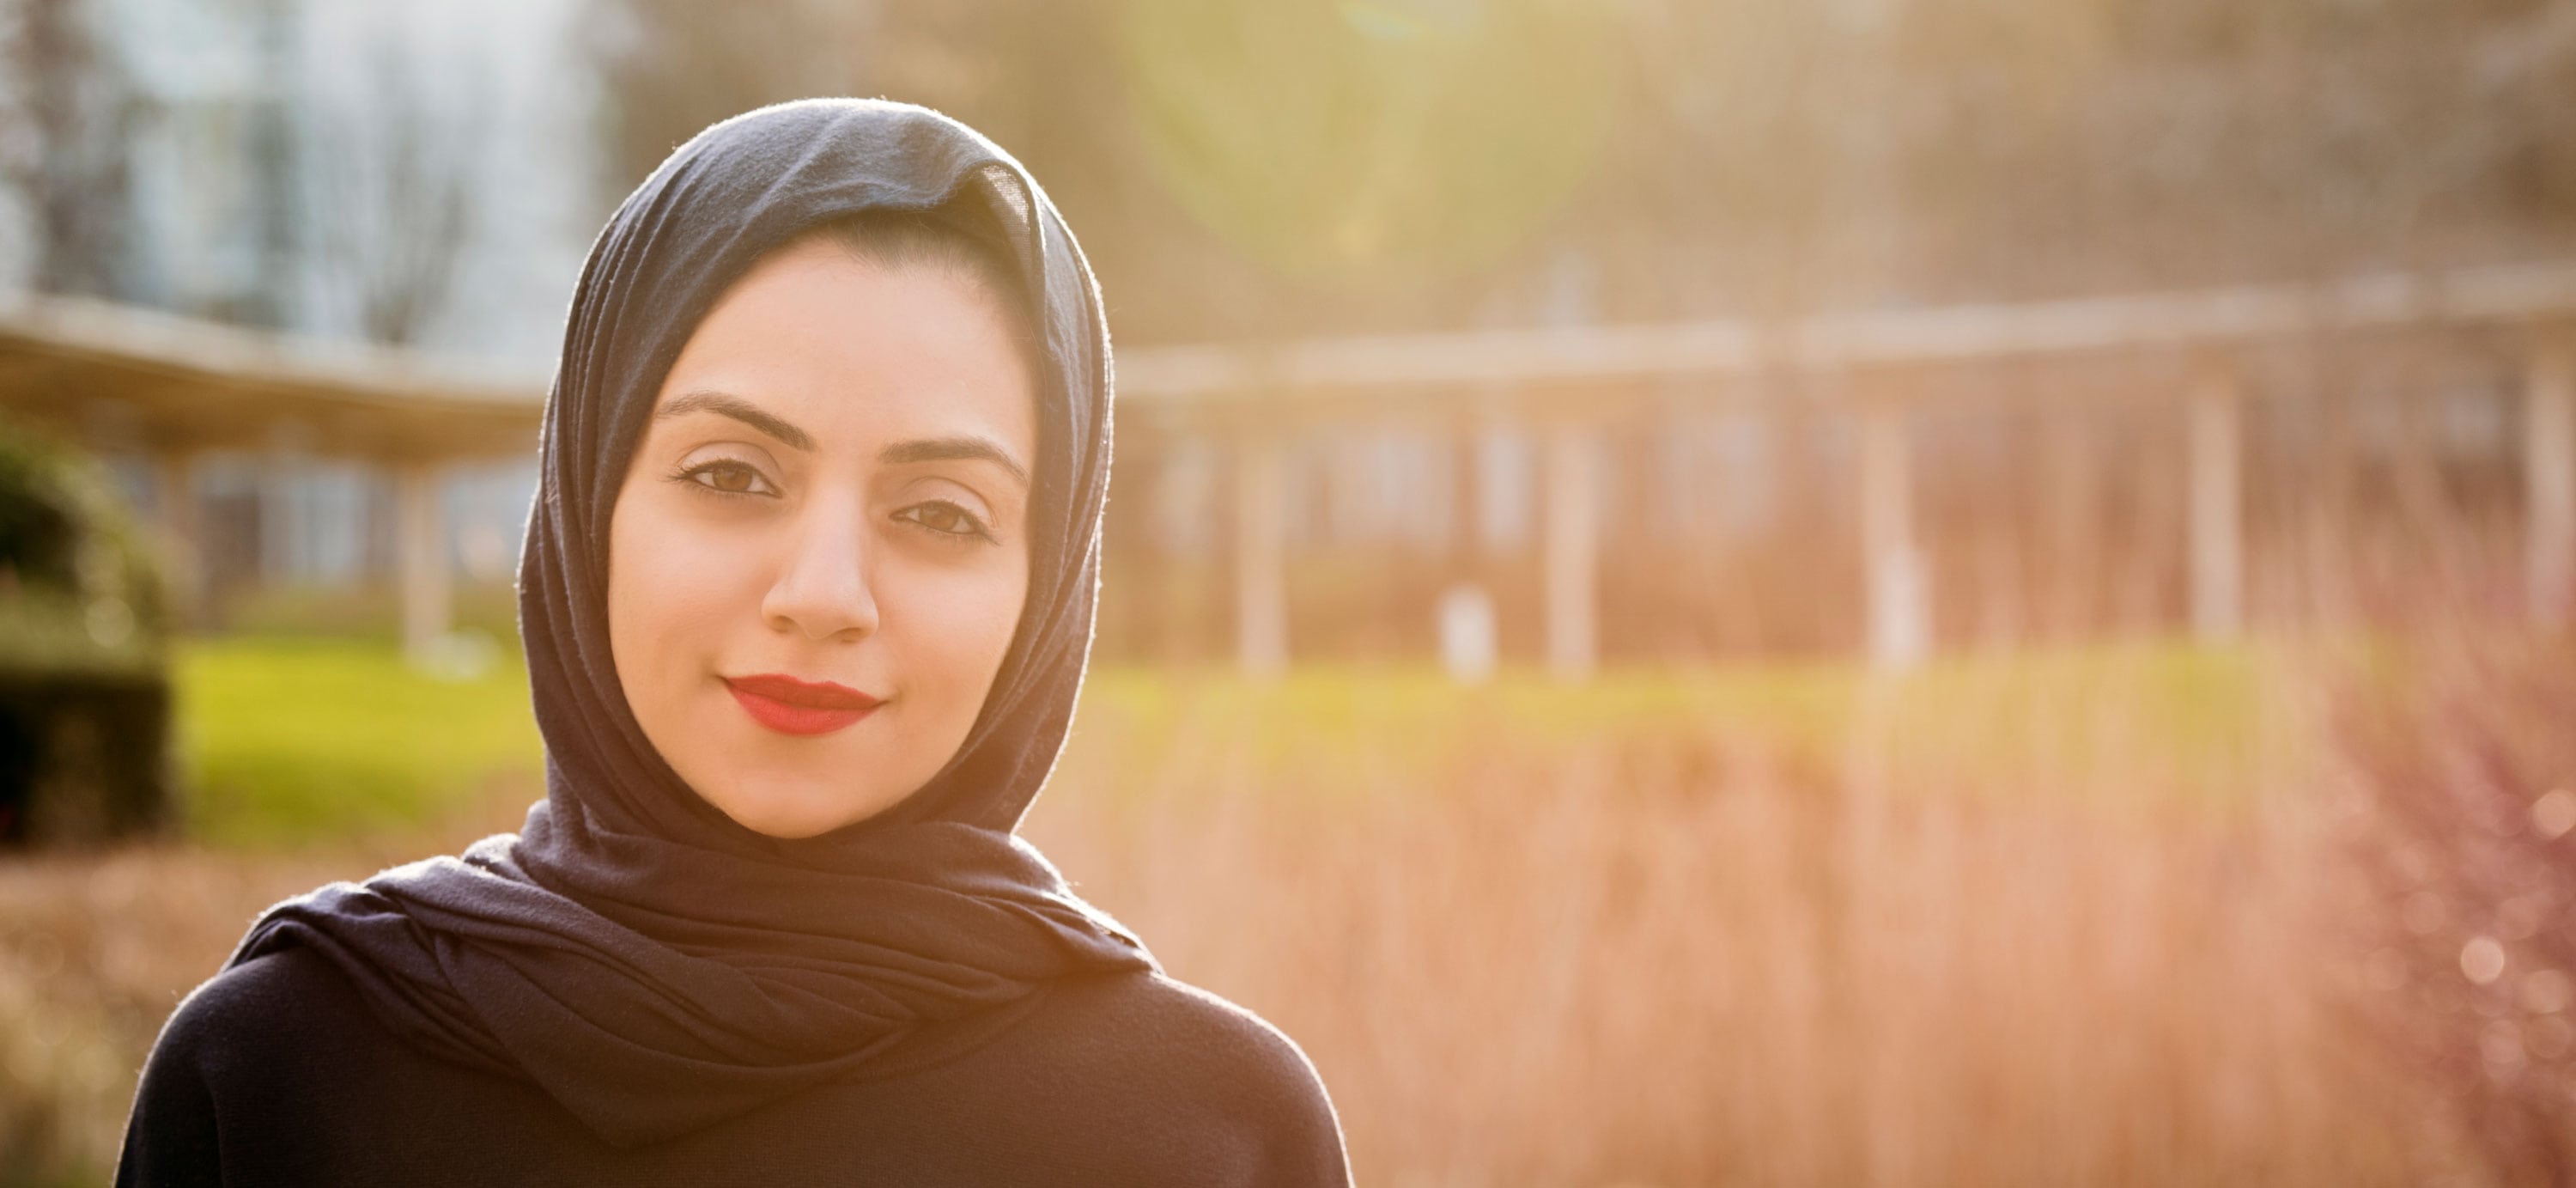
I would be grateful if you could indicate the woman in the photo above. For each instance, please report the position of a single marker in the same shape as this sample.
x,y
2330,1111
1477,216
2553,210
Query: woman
x,y
841,375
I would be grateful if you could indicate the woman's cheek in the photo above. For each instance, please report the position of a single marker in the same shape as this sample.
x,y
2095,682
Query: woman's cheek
x,y
965,617
687,588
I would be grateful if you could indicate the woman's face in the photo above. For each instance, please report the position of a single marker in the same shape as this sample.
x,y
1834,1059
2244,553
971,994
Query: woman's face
x,y
818,554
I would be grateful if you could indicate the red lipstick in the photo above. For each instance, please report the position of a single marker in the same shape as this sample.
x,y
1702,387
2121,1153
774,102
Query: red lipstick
x,y
791,706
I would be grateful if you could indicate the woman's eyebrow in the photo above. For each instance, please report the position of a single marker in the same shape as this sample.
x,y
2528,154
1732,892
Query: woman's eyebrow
x,y
936,449
742,410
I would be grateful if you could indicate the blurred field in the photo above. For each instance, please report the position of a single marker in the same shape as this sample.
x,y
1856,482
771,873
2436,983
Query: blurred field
x,y
2084,917
296,740
300,741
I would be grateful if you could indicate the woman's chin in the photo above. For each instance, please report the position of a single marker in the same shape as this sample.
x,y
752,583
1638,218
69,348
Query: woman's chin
x,y
791,813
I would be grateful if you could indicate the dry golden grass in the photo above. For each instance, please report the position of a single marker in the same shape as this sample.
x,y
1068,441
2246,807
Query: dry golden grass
x,y
2462,848
1684,964
95,950
1682,956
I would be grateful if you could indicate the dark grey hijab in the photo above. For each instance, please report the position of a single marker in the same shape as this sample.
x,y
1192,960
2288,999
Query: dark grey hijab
x,y
646,961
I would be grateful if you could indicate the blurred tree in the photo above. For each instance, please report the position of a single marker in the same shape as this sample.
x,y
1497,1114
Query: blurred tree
x,y
394,168
671,67
2078,145
1040,76
1316,166
66,111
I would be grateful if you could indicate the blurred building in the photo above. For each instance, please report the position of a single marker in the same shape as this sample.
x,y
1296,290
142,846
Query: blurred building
x,y
330,169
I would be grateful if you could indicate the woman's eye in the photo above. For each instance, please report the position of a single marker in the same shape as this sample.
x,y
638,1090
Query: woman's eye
x,y
729,478
943,517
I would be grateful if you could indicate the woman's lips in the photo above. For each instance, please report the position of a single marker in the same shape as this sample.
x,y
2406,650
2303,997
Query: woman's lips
x,y
791,706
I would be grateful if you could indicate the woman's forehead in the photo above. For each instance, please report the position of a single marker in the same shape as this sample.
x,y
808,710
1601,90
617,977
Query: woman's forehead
x,y
851,352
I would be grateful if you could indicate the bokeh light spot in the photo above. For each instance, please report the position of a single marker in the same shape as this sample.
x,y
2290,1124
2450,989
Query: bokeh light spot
x,y
2554,814
2482,960
1369,141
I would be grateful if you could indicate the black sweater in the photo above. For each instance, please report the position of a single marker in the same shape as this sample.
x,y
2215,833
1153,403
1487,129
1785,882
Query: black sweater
x,y
275,1073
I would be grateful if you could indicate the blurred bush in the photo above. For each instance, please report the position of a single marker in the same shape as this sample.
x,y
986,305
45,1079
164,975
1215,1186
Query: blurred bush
x,y
80,591
84,635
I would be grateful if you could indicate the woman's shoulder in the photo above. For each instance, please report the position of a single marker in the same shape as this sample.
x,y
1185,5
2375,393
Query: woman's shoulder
x,y
1160,1020
1164,1045
285,1026
226,1050
251,1007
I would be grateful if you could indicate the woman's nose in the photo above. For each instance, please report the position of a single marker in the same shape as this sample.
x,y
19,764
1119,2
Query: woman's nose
x,y
822,589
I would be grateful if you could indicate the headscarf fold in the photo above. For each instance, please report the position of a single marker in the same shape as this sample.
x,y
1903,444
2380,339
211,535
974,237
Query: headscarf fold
x,y
646,961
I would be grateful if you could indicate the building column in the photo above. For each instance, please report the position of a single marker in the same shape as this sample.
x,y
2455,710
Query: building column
x,y
180,517
1571,549
1900,619
2549,482
421,557
2215,471
2071,522
1260,554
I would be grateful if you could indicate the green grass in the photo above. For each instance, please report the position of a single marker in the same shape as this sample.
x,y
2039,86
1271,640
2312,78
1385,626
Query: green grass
x,y
2200,716
295,741
288,741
